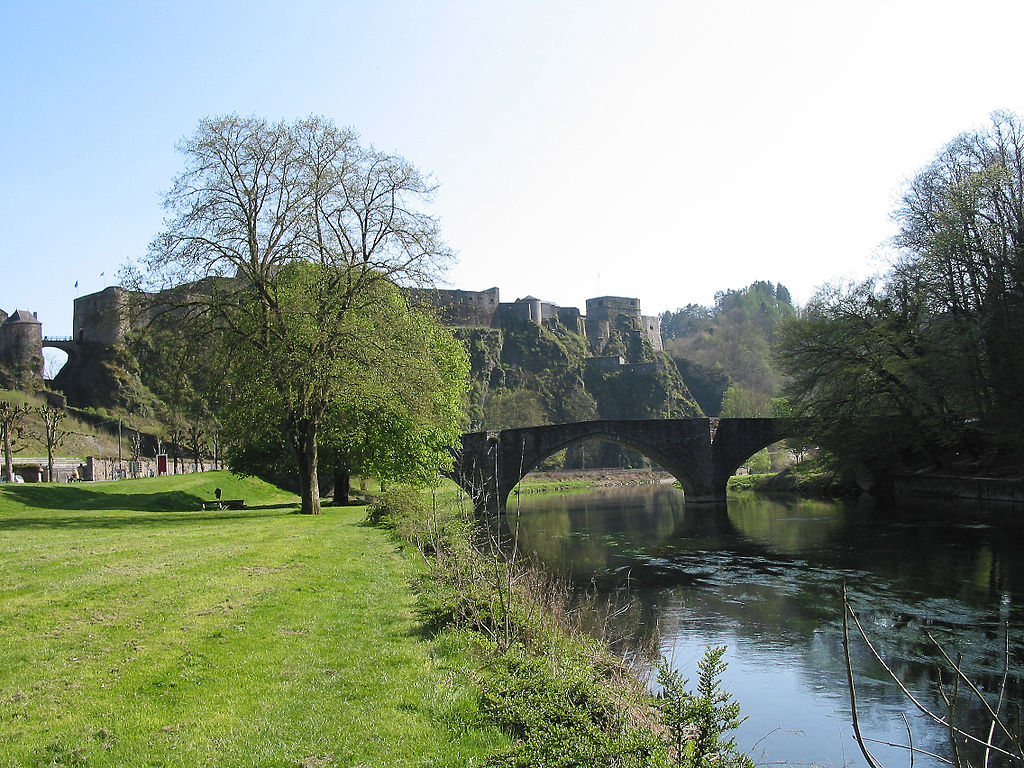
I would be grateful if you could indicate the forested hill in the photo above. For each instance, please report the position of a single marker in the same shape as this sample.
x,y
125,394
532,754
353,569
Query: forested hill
x,y
724,352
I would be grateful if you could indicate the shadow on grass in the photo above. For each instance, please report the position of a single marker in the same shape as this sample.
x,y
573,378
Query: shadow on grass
x,y
142,519
45,506
60,497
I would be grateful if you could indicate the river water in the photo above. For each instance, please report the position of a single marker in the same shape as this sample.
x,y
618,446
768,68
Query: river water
x,y
764,578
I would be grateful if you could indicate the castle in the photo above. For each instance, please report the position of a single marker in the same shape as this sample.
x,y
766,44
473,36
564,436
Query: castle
x,y
605,314
104,319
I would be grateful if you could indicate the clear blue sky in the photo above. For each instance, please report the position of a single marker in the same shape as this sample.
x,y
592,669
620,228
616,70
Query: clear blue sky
x,y
662,150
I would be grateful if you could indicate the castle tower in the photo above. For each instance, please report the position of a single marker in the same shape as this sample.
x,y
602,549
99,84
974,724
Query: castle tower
x,y
608,313
101,318
21,344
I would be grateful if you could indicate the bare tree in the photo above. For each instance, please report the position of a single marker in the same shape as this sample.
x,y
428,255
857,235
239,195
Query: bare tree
x,y
256,197
999,742
12,418
196,443
53,434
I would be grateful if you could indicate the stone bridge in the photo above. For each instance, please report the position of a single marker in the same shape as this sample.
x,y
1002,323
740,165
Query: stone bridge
x,y
700,453
66,344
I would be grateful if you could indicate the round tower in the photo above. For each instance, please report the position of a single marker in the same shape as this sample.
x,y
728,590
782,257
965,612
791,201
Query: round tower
x,y
21,343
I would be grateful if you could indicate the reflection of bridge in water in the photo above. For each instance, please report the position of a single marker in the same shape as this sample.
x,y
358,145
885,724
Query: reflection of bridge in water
x,y
700,453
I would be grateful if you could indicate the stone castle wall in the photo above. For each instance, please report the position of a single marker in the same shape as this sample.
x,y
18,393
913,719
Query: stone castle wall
x,y
104,319
460,308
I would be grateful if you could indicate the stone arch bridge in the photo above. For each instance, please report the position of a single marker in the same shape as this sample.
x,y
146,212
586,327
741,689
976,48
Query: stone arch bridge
x,y
701,453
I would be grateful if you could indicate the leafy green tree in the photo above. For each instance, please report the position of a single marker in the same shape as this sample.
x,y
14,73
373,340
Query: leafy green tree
x,y
399,424
741,403
394,403
255,198
871,387
698,723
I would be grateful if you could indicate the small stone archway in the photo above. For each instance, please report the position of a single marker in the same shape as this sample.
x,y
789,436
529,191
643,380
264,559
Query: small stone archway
x,y
64,345
701,453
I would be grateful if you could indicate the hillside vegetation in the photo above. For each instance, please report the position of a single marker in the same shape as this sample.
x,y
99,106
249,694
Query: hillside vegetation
x,y
91,432
724,352
530,375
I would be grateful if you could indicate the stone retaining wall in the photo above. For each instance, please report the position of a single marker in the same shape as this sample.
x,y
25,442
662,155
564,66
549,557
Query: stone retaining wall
x,y
950,487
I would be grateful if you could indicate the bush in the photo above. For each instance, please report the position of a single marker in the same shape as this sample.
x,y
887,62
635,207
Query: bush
x,y
562,697
399,508
697,724
562,712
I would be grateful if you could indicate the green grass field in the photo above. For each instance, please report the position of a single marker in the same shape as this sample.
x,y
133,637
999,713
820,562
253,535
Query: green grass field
x,y
136,629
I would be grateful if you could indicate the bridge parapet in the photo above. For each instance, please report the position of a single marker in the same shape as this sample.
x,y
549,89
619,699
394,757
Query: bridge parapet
x,y
64,343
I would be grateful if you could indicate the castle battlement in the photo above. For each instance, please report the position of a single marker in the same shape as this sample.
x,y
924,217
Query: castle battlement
x,y
484,309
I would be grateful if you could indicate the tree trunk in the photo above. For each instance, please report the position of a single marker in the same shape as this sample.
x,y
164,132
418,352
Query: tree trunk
x,y
8,461
305,448
342,486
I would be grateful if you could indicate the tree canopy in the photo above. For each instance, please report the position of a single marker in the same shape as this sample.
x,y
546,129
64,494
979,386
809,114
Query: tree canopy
x,y
255,202
728,346
395,403
922,365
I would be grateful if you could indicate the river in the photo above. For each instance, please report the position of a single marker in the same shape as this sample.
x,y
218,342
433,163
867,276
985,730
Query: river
x,y
765,578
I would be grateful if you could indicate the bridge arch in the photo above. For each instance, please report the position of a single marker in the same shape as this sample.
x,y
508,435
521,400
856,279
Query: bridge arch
x,y
682,474
55,357
701,453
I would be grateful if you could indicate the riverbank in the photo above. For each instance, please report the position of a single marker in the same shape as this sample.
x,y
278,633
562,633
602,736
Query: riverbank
x,y
137,629
554,688
581,479
811,482
1008,490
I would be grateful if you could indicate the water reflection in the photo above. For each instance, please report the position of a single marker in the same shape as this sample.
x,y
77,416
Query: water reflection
x,y
765,577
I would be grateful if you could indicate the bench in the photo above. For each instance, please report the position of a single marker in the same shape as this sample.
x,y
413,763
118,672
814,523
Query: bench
x,y
225,504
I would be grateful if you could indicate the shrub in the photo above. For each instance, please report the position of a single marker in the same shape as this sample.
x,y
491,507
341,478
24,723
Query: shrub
x,y
697,724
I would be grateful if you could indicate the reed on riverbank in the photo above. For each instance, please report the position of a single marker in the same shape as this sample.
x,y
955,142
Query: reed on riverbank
x,y
558,692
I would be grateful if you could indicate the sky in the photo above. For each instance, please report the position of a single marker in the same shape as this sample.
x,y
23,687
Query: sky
x,y
662,150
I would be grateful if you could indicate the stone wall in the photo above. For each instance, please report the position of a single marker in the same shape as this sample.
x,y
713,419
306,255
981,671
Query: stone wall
x,y
112,469
460,308
962,488
100,318
652,328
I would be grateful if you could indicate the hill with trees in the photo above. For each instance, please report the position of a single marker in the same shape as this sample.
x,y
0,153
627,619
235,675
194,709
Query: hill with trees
x,y
724,352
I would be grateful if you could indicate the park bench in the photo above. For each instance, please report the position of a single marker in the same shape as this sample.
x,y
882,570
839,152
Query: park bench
x,y
225,504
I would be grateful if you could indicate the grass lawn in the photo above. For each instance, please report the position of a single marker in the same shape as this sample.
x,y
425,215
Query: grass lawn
x,y
136,629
